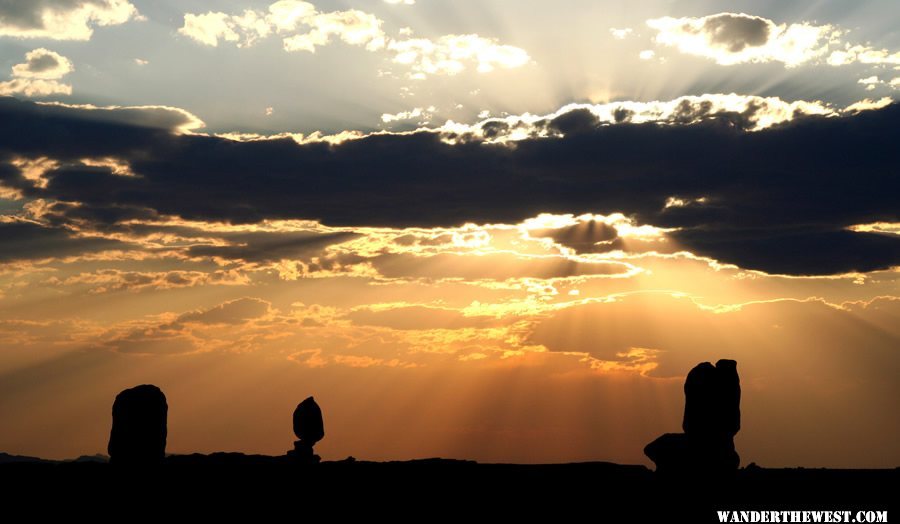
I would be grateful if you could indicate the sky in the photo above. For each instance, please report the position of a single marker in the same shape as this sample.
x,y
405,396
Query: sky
x,y
496,230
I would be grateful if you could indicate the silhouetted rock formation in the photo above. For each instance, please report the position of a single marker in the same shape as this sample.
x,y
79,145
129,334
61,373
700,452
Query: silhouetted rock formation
x,y
712,417
712,400
138,433
309,428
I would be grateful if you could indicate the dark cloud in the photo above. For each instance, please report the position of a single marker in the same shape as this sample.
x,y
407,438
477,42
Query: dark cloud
x,y
795,250
271,246
783,196
102,217
735,32
494,128
60,19
620,114
42,61
575,121
28,15
27,240
585,237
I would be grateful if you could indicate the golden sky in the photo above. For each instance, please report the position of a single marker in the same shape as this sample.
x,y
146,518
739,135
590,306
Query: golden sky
x,y
496,343
466,232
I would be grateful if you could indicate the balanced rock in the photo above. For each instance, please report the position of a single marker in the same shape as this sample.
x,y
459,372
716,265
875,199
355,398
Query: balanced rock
x,y
712,400
309,429
139,432
712,417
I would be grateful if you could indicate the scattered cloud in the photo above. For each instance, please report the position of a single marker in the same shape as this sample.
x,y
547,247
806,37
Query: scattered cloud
x,y
404,2
209,28
448,54
737,38
43,64
420,114
864,55
647,54
870,82
303,28
734,38
231,312
115,280
39,75
141,61
62,19
353,27
869,105
620,34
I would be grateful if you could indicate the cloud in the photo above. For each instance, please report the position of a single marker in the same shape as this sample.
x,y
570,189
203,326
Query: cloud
x,y
869,105
21,240
620,34
864,55
209,28
303,28
353,27
583,236
779,199
39,75
421,114
164,119
152,343
242,324
261,246
34,88
313,28
752,113
735,38
403,2
495,266
795,250
870,82
62,19
593,234
448,54
232,312
43,64
114,280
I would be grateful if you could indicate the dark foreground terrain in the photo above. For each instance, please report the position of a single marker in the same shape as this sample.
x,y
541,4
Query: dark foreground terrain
x,y
263,488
